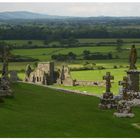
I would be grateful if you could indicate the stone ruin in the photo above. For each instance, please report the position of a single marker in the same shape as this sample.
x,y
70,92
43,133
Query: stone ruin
x,y
13,76
42,74
46,74
65,77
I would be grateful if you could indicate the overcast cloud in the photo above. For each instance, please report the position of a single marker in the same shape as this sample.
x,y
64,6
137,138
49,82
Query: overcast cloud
x,y
76,9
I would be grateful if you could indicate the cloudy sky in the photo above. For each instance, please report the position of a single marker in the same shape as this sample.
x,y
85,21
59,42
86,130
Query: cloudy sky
x,y
76,9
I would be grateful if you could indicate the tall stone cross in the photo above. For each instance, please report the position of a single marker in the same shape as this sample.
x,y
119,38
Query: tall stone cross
x,y
133,57
125,84
5,65
108,77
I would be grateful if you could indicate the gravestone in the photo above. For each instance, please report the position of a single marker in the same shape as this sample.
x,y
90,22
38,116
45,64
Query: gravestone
x,y
107,101
133,73
125,84
124,106
13,76
5,90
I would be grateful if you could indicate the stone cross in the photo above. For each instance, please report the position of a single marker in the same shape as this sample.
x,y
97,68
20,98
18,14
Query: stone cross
x,y
125,84
133,57
108,79
5,65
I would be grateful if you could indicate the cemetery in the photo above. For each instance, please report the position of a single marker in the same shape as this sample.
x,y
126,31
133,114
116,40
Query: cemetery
x,y
69,70
115,107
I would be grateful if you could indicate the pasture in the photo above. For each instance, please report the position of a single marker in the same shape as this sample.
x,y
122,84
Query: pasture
x,y
96,75
44,54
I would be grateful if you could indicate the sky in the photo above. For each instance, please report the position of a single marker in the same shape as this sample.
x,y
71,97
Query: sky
x,y
76,9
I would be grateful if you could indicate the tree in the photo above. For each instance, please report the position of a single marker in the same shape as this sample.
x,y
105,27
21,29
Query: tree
x,y
119,43
86,54
30,42
71,56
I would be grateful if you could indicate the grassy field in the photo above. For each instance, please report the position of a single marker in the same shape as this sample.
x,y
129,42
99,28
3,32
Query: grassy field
x,y
96,40
44,54
41,112
92,75
92,40
25,42
96,75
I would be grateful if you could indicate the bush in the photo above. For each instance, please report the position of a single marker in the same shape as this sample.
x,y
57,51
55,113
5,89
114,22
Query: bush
x,y
115,67
100,67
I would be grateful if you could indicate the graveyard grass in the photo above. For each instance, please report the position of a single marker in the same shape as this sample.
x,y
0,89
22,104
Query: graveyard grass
x,y
37,111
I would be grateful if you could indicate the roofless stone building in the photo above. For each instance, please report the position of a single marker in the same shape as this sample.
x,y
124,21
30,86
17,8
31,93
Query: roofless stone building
x,y
42,74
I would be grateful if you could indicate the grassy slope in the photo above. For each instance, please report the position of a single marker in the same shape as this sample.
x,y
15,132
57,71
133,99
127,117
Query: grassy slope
x,y
40,112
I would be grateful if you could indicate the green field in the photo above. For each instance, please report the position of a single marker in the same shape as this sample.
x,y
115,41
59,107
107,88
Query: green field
x,y
96,75
92,40
41,112
44,54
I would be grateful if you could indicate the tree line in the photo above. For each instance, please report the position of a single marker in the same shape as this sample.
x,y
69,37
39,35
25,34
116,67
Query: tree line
x,y
65,32
86,55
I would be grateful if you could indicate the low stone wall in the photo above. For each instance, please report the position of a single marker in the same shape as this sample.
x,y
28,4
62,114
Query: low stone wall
x,y
89,83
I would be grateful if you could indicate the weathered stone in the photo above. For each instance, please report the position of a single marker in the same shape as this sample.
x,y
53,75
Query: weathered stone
x,y
124,109
13,76
65,77
27,73
133,76
5,90
135,102
124,115
89,83
107,101
42,74
133,57
125,88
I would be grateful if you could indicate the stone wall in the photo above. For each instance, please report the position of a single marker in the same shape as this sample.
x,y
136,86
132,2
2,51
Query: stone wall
x,y
89,83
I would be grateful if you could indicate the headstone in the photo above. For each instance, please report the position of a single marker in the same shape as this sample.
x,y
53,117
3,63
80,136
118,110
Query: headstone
x,y
133,57
125,85
5,90
124,109
124,106
133,73
13,76
107,101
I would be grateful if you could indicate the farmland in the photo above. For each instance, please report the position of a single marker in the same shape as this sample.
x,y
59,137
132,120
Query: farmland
x,y
44,54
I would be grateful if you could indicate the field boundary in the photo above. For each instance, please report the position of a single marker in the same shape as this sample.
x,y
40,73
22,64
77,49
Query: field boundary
x,y
64,90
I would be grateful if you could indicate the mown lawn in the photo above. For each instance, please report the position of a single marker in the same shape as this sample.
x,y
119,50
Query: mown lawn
x,y
41,112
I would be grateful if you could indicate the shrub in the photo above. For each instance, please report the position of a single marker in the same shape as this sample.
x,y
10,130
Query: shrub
x,y
115,67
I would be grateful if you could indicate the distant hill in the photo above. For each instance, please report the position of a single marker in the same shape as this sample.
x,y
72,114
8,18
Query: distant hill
x,y
24,15
33,16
